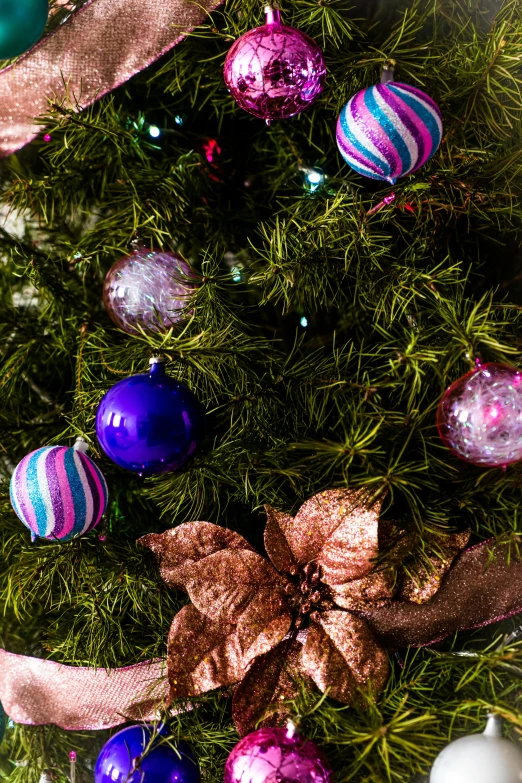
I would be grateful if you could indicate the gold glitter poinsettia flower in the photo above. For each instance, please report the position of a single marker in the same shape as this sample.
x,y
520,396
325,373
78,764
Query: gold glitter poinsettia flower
x,y
249,615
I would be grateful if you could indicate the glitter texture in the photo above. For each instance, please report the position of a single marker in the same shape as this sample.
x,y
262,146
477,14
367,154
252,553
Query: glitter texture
x,y
272,755
483,586
148,290
102,45
274,71
480,416
389,130
58,493
247,610
77,698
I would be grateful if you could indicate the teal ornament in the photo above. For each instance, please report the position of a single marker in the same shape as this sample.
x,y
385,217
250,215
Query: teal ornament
x,y
22,23
3,722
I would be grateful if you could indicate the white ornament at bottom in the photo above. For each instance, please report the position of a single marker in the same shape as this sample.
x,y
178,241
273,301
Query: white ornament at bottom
x,y
480,758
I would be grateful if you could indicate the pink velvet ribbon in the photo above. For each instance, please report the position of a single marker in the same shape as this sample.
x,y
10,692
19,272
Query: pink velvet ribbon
x,y
99,47
483,586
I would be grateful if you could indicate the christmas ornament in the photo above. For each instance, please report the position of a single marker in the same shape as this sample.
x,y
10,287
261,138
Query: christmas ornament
x,y
274,71
246,611
3,722
150,423
271,755
480,416
389,130
138,754
22,22
247,621
95,50
58,492
480,758
148,290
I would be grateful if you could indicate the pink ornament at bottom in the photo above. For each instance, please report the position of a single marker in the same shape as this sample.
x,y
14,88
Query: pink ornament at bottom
x,y
274,755
480,416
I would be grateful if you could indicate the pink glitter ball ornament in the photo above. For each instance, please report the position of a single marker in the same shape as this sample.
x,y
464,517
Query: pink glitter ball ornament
x,y
274,71
148,290
274,755
480,416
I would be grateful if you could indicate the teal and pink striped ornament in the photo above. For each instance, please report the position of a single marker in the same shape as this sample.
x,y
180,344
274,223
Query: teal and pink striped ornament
x,y
58,492
389,130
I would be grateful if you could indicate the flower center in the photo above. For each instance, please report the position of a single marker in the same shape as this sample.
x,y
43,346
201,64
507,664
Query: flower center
x,y
305,591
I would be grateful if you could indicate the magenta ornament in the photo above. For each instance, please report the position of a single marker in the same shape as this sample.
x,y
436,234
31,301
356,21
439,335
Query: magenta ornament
x,y
273,755
274,71
148,290
480,416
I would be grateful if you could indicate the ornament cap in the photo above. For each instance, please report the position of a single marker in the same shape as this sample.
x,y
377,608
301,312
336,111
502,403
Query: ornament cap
x,y
493,726
157,365
81,445
388,72
273,14
292,730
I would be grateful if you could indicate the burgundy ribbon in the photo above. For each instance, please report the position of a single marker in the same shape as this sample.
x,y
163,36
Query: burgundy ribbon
x,y
483,586
98,48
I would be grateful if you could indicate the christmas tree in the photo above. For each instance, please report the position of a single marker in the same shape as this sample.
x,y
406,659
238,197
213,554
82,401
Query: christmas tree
x,y
326,315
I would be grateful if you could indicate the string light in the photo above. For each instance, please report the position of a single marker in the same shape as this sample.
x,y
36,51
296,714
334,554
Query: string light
x,y
304,322
154,131
178,119
313,178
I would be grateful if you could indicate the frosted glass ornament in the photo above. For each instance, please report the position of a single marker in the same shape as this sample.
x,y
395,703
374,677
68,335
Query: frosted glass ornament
x,y
480,758
480,416
148,290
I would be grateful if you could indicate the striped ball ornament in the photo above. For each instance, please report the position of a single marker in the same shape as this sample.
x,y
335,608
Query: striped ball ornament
x,y
58,492
389,130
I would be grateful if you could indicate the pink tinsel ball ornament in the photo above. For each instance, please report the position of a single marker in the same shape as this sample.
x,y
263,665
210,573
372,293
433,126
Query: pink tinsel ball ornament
x,y
273,755
480,416
274,71
148,290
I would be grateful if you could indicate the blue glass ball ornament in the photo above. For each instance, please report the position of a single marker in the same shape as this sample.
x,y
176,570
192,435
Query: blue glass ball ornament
x,y
22,23
136,755
150,423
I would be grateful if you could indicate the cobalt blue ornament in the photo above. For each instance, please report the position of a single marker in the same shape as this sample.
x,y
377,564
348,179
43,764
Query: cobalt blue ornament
x,y
150,423
136,755
22,23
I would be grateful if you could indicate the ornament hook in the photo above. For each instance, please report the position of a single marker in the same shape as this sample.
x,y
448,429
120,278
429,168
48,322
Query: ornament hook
x,y
273,14
388,72
81,444
493,726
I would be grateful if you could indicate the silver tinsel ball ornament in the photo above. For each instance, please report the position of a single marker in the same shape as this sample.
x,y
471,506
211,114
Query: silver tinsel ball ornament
x,y
480,758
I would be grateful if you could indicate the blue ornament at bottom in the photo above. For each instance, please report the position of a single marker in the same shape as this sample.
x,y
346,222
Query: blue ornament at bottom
x,y
150,423
140,754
